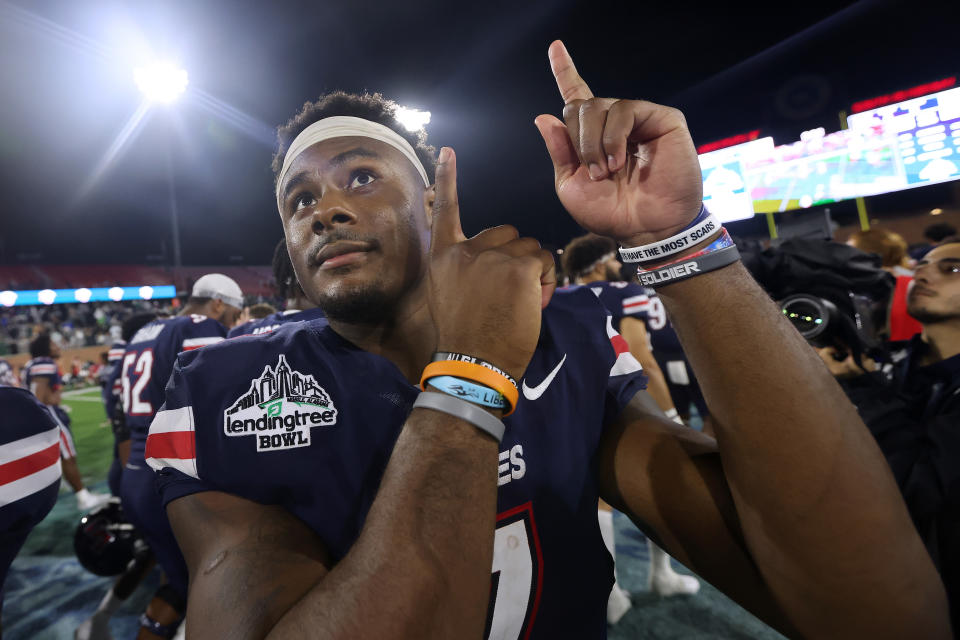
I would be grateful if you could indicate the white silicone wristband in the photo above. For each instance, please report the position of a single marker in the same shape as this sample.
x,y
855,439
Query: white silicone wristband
x,y
672,245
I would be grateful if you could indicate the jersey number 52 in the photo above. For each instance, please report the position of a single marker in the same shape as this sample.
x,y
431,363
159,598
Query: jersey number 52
x,y
142,364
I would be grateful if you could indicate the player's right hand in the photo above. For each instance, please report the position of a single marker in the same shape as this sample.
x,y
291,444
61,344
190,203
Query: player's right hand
x,y
486,292
598,175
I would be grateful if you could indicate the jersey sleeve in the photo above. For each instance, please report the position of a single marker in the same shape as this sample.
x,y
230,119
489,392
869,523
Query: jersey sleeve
x,y
202,331
626,375
113,389
171,449
29,452
240,329
595,324
634,302
47,370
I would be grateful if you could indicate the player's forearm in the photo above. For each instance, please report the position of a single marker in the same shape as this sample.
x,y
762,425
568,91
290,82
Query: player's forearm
x,y
813,492
44,392
421,566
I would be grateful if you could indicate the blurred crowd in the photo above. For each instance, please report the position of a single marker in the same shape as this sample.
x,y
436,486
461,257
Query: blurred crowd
x,y
71,325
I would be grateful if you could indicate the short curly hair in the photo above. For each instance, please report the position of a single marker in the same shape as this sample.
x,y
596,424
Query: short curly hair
x,y
40,346
369,106
285,281
583,252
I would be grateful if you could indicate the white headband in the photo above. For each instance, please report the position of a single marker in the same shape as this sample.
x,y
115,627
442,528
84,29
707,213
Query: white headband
x,y
347,126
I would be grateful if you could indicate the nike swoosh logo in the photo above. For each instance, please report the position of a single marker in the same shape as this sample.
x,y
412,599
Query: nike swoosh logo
x,y
532,393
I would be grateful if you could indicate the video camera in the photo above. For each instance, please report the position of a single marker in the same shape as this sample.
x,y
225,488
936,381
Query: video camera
x,y
835,295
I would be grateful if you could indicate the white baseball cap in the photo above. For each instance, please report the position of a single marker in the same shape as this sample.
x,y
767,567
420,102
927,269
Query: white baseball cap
x,y
218,287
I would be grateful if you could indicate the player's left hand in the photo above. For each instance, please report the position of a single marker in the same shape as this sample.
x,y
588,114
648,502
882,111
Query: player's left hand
x,y
602,183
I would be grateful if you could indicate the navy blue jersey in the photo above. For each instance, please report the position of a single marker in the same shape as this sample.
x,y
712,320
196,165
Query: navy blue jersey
x,y
41,367
303,419
115,354
274,321
29,469
622,299
663,339
147,364
112,386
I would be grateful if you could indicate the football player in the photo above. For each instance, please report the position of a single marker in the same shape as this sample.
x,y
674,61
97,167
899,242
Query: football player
x,y
214,304
316,490
29,470
41,376
591,261
113,391
298,307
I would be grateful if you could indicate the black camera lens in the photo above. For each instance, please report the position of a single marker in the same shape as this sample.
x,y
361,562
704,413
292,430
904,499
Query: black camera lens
x,y
810,316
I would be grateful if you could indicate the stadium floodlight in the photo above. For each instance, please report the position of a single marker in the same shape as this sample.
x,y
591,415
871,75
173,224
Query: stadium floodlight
x,y
47,296
8,298
82,295
161,81
115,294
146,292
412,119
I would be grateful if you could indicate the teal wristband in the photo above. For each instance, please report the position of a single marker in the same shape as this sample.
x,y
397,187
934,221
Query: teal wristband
x,y
469,391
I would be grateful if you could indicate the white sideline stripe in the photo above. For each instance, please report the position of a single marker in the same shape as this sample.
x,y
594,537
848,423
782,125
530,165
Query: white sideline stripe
x,y
188,467
28,446
172,420
80,392
200,342
28,485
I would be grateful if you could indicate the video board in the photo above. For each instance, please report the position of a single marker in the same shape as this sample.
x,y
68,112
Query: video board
x,y
898,146
725,189
925,132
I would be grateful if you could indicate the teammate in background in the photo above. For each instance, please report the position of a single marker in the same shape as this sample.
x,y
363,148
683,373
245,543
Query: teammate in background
x,y
41,377
214,304
97,626
591,261
114,359
8,376
29,471
298,307
303,472
113,390
665,344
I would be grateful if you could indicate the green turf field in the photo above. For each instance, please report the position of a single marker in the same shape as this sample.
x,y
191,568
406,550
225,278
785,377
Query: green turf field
x,y
91,433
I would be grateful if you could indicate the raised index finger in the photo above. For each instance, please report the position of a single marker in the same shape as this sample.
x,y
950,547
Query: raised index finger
x,y
572,86
445,227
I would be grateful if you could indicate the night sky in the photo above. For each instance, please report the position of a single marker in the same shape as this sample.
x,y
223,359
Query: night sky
x,y
70,194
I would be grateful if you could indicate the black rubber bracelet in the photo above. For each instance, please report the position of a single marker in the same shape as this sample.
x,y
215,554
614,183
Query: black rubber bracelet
x,y
683,269
462,357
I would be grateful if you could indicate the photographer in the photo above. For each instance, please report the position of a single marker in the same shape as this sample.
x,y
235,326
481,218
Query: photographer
x,y
912,407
